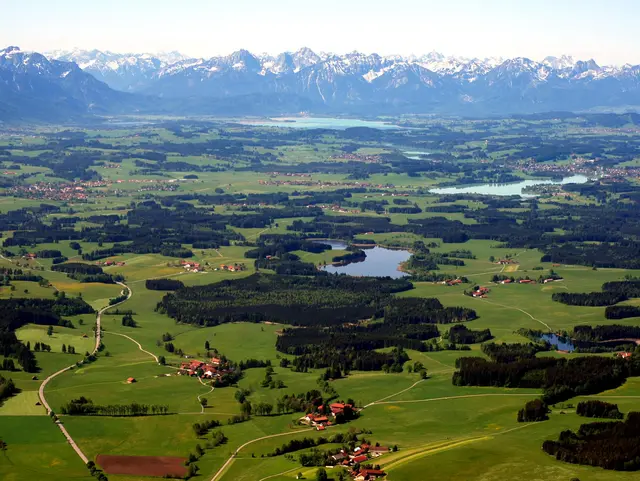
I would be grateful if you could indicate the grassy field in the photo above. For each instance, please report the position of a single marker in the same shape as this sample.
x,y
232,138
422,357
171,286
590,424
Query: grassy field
x,y
433,422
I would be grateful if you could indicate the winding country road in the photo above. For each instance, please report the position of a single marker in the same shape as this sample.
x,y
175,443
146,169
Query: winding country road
x,y
43,400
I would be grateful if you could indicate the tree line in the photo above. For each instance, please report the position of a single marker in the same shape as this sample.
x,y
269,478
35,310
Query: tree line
x,y
560,379
592,299
163,284
598,409
85,407
609,445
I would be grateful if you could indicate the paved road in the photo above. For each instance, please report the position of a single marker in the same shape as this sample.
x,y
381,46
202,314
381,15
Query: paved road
x,y
43,400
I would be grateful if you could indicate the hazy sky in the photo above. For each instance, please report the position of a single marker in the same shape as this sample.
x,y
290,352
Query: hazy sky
x,y
606,30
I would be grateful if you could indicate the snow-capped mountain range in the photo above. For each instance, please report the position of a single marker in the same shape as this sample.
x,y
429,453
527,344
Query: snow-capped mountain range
x,y
137,72
353,83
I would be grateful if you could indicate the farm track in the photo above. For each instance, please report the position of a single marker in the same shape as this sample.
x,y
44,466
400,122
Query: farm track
x,y
136,343
43,399
380,401
435,448
446,398
521,310
200,395
280,474
224,467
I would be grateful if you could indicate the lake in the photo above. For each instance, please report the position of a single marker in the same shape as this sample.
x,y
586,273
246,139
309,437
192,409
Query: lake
x,y
380,262
513,188
320,123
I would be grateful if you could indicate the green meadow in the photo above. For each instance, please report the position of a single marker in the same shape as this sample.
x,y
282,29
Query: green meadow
x,y
443,432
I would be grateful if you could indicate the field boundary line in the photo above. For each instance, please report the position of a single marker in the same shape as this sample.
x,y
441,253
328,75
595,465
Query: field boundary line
x,y
43,400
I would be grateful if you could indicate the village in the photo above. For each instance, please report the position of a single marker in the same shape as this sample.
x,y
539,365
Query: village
x,y
214,369
327,416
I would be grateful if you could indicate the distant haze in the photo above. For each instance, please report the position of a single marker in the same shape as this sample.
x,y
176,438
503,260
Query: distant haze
x,y
599,29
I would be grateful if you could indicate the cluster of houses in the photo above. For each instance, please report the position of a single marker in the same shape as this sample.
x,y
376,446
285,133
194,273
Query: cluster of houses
x,y
624,355
552,279
529,281
370,159
521,281
232,267
361,455
506,262
109,263
191,266
481,292
201,369
320,421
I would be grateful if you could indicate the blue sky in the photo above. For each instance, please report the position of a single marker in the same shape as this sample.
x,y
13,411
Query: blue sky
x,y
600,29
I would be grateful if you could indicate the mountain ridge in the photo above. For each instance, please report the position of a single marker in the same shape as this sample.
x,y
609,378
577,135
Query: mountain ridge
x,y
353,83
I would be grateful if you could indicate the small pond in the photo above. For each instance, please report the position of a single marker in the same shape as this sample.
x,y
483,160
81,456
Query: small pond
x,y
380,262
560,343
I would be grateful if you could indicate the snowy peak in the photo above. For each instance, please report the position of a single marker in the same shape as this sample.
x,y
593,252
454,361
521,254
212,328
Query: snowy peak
x,y
559,63
125,72
9,51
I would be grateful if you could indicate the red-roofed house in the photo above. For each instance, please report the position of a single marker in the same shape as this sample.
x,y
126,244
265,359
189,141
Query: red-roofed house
x,y
360,459
379,450
367,474
339,407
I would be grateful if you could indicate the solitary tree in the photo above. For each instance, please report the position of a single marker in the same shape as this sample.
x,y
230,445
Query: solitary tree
x,y
204,402
246,408
50,331
321,475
